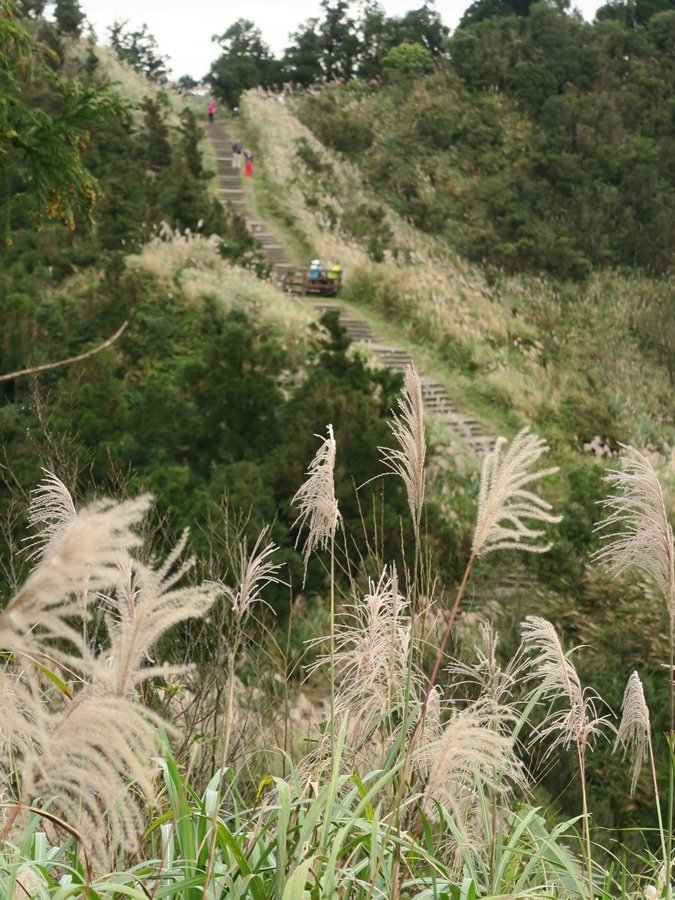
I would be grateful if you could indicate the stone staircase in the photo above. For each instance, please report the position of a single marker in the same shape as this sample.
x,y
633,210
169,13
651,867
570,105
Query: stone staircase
x,y
436,399
231,194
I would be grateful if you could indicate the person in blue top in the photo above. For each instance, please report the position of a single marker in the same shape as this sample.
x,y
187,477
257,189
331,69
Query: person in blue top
x,y
315,270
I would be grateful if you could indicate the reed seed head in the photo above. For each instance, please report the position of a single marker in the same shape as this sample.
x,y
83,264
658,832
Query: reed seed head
x,y
407,460
504,502
315,499
636,529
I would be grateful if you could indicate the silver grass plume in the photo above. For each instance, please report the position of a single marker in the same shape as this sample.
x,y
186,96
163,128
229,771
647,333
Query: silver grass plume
x,y
147,602
254,571
407,460
643,537
497,685
316,501
83,759
634,734
78,736
50,511
504,502
469,751
371,657
578,722
85,552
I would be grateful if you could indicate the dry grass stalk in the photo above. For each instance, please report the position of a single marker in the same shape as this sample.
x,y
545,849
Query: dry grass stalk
x,y
644,537
634,734
371,658
407,460
470,750
316,499
254,572
497,685
77,735
578,722
503,501
50,512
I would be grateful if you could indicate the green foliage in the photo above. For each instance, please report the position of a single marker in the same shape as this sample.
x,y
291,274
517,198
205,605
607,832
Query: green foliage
x,y
246,62
408,61
367,223
45,123
564,168
69,17
140,50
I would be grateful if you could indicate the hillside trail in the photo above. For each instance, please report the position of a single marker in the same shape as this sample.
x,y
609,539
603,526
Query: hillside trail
x,y
436,399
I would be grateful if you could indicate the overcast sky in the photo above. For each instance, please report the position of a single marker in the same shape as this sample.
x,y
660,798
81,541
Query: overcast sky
x,y
183,28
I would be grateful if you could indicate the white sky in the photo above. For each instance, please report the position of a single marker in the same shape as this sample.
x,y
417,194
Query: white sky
x,y
183,29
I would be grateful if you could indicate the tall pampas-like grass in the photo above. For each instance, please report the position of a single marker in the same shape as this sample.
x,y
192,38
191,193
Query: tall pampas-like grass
x,y
636,529
503,504
505,501
638,535
50,512
370,659
254,571
634,736
318,510
408,458
577,723
497,685
634,733
82,555
469,752
76,733
315,499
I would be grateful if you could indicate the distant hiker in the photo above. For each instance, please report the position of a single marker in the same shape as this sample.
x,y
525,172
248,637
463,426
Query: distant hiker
x,y
236,154
211,109
235,112
335,272
248,164
315,270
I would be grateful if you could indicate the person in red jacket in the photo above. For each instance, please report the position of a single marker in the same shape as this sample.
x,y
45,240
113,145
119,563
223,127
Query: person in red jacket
x,y
248,164
211,110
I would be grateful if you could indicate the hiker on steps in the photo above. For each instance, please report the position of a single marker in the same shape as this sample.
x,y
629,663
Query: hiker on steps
x,y
248,164
236,155
211,110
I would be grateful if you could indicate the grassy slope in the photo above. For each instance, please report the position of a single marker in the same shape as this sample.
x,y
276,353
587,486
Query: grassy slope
x,y
520,350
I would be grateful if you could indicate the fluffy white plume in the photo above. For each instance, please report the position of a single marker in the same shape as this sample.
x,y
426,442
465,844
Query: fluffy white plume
x,y
407,460
504,502
643,537
578,721
316,501
634,734
254,570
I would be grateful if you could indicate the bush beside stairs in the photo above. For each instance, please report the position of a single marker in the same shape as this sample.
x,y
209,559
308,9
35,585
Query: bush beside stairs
x,y
436,398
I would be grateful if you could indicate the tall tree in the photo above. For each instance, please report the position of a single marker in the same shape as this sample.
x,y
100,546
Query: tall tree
x,y
139,49
340,44
246,62
69,17
42,134
302,60
423,26
378,35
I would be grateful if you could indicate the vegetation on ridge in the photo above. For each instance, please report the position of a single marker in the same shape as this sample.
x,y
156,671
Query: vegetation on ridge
x,y
362,686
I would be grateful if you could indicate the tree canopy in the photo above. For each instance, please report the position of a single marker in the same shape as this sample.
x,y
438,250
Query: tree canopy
x,y
45,124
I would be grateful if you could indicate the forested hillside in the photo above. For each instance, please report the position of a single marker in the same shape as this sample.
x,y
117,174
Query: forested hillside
x,y
541,143
361,686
